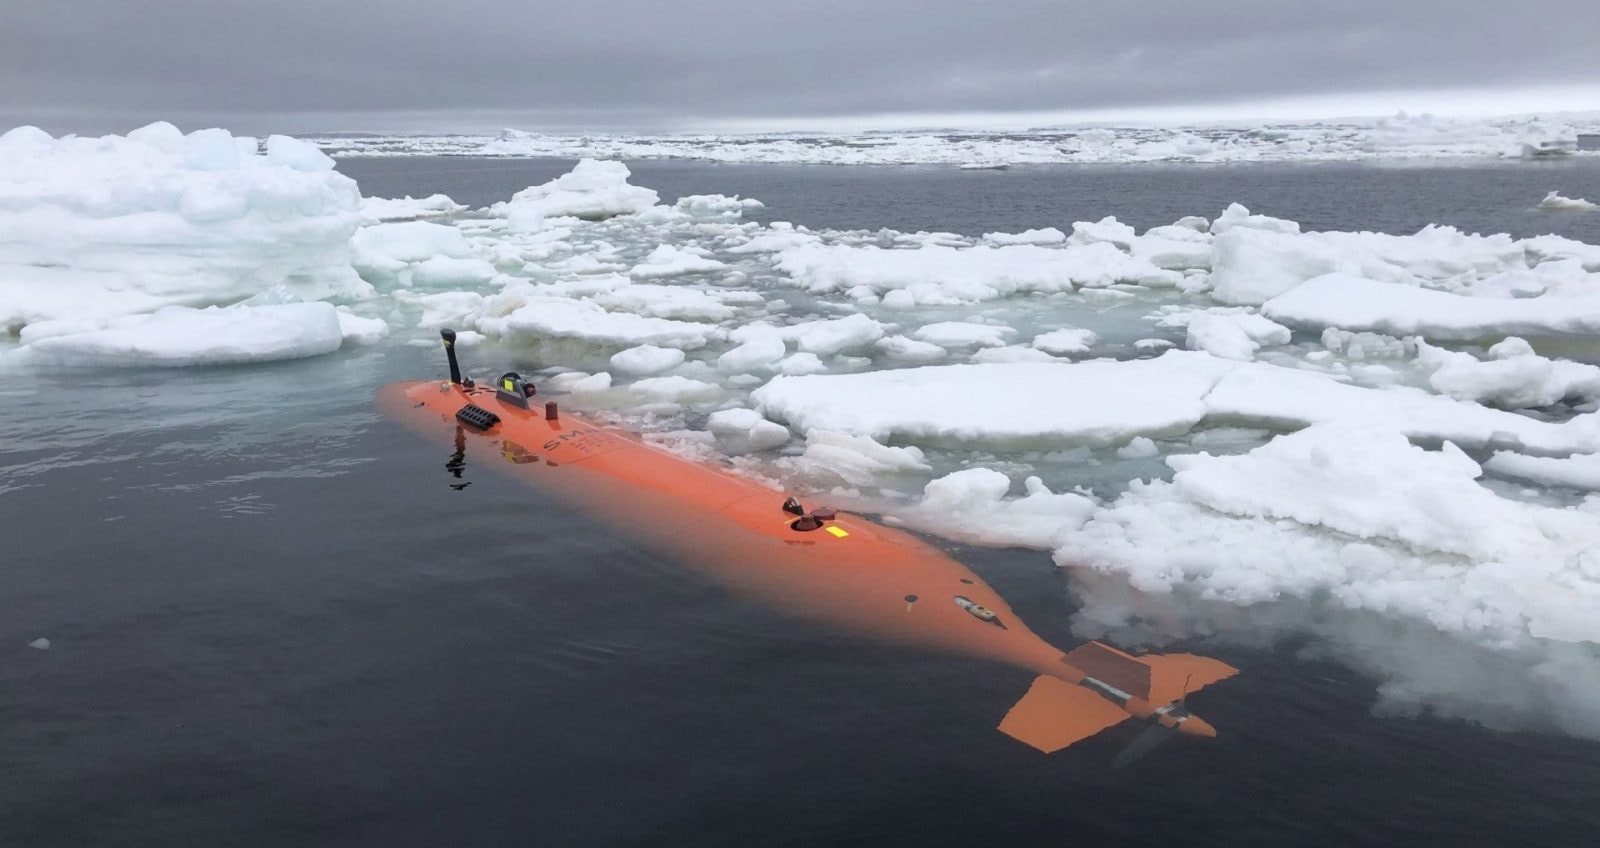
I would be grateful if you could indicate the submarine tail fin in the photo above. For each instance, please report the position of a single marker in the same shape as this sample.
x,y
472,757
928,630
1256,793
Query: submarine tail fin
x,y
1174,676
1055,714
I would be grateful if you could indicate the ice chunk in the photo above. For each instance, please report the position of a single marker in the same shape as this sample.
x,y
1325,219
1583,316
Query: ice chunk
x,y
1067,341
102,227
1107,229
646,359
960,335
1580,471
1355,303
716,207
669,261
935,274
592,190
1237,217
1514,377
971,505
40,644
445,271
1106,402
659,301
376,210
761,351
408,241
1554,202
533,317
181,336
1019,405
1047,235
904,349
849,334
677,389
1138,447
860,460
356,329
1233,335
744,430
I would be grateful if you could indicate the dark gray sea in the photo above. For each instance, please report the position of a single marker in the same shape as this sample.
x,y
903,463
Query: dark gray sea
x,y
274,623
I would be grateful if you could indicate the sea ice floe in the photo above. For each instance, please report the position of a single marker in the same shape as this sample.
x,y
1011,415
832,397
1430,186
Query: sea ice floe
x,y
116,225
1356,303
592,190
1400,136
375,210
1339,529
1555,202
1103,402
181,336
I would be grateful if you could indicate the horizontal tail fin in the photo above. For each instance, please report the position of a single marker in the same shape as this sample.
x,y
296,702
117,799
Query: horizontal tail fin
x,y
1055,714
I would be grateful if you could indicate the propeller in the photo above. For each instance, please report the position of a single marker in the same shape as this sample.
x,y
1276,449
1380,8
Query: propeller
x,y
1153,736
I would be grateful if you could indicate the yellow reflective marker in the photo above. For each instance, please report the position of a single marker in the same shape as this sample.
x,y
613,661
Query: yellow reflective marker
x,y
838,531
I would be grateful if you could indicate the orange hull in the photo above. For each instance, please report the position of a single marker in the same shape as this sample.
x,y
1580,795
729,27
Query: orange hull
x,y
848,571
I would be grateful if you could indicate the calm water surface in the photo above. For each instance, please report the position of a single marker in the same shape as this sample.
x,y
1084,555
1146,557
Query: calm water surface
x,y
275,623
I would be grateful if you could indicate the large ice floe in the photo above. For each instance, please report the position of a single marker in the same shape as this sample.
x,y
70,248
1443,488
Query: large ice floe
x,y
1380,445
94,230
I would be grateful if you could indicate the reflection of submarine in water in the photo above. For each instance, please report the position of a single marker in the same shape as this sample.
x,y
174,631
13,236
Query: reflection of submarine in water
x,y
818,563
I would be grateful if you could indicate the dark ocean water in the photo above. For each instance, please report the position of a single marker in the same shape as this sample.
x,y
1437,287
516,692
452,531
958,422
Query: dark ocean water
x,y
274,622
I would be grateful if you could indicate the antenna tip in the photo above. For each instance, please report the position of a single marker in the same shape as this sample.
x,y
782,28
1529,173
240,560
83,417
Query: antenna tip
x,y
448,335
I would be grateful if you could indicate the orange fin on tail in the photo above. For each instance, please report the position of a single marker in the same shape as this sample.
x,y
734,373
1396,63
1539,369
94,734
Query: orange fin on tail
x,y
1055,714
1176,675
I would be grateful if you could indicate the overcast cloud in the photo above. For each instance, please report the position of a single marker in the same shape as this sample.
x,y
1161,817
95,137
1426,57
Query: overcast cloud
x,y
308,65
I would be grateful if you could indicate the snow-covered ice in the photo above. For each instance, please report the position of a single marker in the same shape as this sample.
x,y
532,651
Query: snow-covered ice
x,y
112,226
179,336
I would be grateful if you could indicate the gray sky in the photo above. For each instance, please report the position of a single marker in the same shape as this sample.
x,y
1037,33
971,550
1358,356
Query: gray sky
x,y
322,65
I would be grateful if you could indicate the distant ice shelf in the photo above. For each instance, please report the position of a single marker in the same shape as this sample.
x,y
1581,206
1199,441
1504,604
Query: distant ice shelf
x,y
1400,136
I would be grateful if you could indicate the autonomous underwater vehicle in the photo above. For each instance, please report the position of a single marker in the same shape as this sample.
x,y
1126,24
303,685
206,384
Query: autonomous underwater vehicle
x,y
819,563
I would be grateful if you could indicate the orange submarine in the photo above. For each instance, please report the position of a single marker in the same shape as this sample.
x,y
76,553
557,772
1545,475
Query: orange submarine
x,y
819,563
